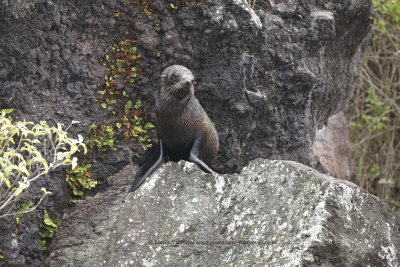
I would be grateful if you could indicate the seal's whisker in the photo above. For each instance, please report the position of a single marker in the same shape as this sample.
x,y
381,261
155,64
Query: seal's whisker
x,y
176,89
173,89
169,87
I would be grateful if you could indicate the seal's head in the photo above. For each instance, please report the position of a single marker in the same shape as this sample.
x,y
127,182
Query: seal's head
x,y
177,81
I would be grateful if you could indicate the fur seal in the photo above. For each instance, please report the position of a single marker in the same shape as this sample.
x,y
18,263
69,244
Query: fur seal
x,y
184,129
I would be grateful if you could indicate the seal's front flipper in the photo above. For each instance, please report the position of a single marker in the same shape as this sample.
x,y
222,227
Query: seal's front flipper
x,y
194,156
145,170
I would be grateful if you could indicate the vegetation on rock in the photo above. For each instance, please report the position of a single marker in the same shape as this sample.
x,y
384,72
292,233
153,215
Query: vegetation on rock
x,y
48,227
374,112
79,179
29,151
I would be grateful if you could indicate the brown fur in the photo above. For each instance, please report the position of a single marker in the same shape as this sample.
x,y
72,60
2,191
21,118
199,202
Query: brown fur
x,y
180,117
184,129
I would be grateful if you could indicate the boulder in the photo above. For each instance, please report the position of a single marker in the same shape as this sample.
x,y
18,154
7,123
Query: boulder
x,y
274,213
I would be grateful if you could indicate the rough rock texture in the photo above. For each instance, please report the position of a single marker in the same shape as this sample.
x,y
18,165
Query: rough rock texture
x,y
267,77
275,213
332,146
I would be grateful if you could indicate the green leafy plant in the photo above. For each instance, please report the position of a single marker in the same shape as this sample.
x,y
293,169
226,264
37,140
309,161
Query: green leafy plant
x,y
375,114
141,5
374,111
122,62
389,14
79,179
48,227
24,208
175,4
28,151
136,127
100,137
6,112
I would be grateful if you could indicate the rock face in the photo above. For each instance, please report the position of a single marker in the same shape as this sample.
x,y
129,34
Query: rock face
x,y
267,76
275,213
332,146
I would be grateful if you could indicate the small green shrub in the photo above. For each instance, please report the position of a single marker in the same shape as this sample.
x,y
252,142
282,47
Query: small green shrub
x,y
374,111
122,62
79,179
28,151
100,137
135,127
25,207
48,227
388,14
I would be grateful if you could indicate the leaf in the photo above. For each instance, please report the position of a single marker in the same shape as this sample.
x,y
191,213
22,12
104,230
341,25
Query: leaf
x,y
138,104
8,183
74,162
42,243
36,141
7,111
128,106
45,165
21,187
48,221
84,149
149,125
77,192
45,234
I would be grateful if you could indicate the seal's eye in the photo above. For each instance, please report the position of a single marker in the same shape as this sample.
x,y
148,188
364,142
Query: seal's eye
x,y
175,77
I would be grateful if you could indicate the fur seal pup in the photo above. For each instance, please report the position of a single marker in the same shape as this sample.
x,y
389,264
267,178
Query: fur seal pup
x,y
184,129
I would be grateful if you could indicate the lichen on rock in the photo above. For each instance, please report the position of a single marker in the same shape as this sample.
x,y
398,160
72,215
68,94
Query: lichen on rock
x,y
275,213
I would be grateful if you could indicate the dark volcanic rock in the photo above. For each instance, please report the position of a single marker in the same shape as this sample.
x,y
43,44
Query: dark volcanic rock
x,y
275,213
268,78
